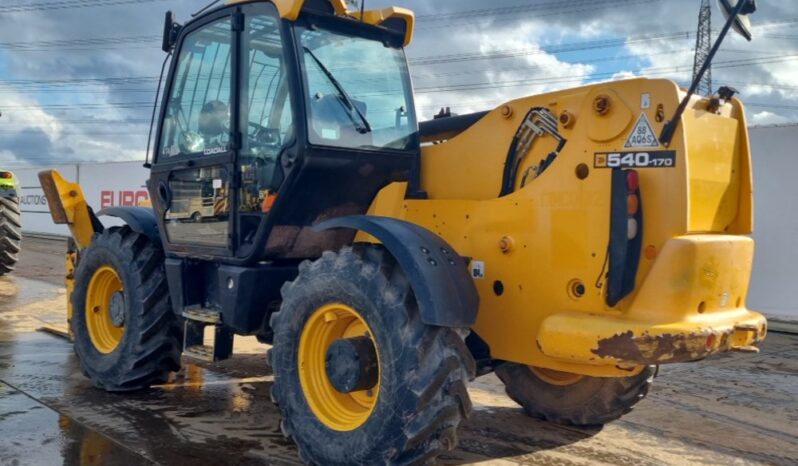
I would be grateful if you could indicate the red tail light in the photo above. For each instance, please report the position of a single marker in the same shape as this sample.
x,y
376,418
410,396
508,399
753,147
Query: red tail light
x,y
632,180
6,175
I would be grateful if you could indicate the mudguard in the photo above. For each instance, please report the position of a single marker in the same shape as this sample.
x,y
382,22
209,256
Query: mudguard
x,y
439,277
140,219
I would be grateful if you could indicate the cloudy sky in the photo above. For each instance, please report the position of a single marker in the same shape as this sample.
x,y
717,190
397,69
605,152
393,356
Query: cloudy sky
x,y
78,77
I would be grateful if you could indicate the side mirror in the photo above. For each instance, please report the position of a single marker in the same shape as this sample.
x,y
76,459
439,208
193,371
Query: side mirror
x,y
741,24
171,29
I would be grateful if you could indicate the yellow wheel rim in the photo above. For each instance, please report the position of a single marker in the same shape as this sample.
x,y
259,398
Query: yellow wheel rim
x,y
554,377
338,411
103,333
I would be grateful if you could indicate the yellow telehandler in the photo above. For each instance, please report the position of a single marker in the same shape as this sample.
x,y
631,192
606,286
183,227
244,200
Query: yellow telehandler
x,y
570,241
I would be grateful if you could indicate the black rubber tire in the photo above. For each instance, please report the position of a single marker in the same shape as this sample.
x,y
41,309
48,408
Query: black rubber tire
x,y
422,397
151,345
591,401
10,234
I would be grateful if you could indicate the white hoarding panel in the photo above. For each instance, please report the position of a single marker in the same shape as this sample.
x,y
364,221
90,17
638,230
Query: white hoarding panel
x,y
104,185
114,184
773,150
35,212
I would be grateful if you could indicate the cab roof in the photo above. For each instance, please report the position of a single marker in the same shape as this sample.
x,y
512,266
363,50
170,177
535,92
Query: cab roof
x,y
395,18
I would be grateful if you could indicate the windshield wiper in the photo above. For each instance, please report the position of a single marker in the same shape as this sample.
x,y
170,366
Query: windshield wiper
x,y
345,100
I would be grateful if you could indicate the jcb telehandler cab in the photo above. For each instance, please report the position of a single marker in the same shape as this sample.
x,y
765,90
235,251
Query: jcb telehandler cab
x,y
558,239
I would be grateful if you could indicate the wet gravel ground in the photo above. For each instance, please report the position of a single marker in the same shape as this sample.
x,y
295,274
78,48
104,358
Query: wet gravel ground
x,y
732,409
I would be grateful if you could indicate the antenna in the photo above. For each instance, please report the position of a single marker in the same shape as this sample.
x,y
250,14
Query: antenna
x,y
703,44
736,13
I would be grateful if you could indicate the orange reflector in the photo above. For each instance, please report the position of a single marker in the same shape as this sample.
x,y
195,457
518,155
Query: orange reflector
x,y
650,252
632,204
268,202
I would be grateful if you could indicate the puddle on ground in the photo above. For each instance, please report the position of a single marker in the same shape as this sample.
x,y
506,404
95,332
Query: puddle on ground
x,y
735,409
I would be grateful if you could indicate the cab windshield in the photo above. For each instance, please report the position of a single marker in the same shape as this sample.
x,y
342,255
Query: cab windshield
x,y
359,93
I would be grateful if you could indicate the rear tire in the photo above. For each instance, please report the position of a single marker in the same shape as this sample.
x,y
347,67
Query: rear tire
x,y
148,347
421,395
10,233
578,401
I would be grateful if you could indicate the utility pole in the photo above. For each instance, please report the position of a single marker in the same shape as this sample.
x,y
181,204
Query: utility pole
x,y
703,43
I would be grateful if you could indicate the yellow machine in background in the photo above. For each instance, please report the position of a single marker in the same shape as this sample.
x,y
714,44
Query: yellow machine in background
x,y
570,241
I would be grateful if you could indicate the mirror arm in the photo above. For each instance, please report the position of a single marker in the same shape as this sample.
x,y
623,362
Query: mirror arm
x,y
669,129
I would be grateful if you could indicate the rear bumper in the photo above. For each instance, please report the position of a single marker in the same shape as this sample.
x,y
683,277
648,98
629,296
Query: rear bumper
x,y
691,305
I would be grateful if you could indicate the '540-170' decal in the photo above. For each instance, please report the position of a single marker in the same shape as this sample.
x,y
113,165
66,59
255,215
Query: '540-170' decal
x,y
649,159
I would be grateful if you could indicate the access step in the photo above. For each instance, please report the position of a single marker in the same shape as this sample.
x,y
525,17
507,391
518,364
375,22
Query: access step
x,y
194,346
200,314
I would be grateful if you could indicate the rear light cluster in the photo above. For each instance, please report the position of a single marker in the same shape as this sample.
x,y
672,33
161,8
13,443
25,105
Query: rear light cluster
x,y
626,234
5,175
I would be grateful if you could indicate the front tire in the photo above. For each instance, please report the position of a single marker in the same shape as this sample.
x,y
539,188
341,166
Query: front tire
x,y
571,399
126,335
412,413
10,234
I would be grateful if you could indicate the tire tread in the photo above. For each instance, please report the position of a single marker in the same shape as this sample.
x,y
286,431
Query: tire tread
x,y
10,233
438,399
158,344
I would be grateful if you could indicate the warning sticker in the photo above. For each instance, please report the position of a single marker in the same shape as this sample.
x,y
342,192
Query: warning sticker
x,y
477,269
642,134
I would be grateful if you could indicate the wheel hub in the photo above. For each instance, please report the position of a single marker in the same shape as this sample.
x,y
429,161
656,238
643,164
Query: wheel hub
x,y
117,309
105,309
334,363
351,364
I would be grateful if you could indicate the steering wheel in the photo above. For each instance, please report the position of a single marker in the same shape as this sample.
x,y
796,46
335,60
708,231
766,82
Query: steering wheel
x,y
262,136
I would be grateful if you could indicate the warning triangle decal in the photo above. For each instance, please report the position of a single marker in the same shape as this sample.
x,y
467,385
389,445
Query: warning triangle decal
x,y
642,134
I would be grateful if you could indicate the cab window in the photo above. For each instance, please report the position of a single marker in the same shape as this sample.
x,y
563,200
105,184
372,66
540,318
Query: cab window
x,y
198,110
359,93
266,111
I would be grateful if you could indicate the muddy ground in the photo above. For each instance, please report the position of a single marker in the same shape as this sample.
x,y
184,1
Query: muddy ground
x,y
732,409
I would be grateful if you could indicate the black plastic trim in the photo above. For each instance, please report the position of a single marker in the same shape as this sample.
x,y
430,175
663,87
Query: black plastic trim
x,y
624,254
139,219
445,126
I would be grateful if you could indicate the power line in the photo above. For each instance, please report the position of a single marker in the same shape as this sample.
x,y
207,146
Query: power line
x,y
767,105
67,4
470,86
516,9
565,8
92,43
561,79
541,81
553,49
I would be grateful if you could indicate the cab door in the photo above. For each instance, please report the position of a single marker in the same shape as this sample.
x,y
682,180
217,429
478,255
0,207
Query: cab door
x,y
193,178
268,126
